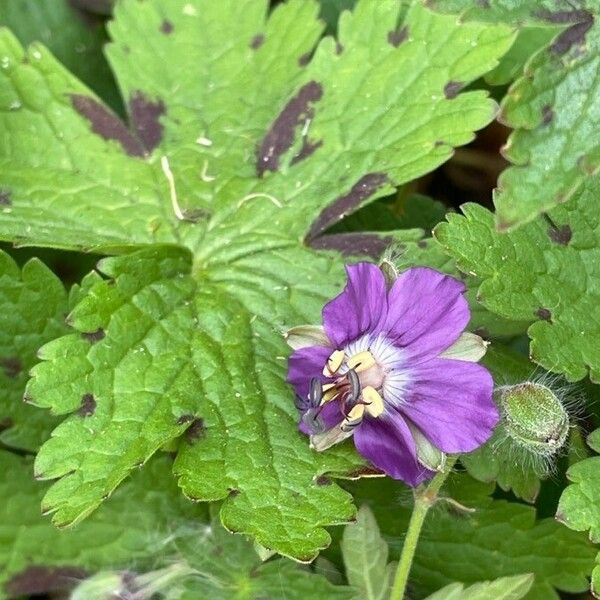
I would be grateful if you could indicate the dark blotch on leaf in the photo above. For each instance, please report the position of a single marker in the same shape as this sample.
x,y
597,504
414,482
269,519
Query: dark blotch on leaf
x,y
338,48
395,38
166,27
88,406
543,313
582,21
307,149
422,243
94,336
365,187
233,492
5,197
353,244
323,480
547,114
106,124
145,120
561,234
185,419
304,59
257,41
36,580
452,88
363,472
195,431
484,3
6,423
280,137
11,366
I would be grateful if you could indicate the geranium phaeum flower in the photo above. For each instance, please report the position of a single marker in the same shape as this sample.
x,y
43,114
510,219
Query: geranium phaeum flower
x,y
394,369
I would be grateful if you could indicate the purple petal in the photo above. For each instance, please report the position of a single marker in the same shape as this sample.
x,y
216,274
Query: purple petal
x,y
360,308
451,402
387,443
306,363
426,312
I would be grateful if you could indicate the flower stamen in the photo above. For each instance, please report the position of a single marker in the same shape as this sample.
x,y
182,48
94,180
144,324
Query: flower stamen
x,y
334,362
362,361
373,401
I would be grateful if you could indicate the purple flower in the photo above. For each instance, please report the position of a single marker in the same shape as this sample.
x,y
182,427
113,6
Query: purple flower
x,y
394,369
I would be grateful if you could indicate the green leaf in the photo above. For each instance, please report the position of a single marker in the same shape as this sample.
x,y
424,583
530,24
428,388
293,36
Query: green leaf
x,y
489,463
237,167
134,529
553,108
499,539
76,39
545,270
505,588
365,555
228,567
33,304
529,40
579,506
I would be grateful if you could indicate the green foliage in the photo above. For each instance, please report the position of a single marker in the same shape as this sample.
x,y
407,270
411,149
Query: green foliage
x,y
498,539
553,108
227,567
134,530
547,270
228,164
579,506
33,304
365,555
505,588
73,36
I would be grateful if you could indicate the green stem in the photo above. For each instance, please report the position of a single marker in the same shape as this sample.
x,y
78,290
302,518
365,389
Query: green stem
x,y
425,498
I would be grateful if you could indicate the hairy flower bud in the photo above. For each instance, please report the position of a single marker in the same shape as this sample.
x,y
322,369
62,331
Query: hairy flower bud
x,y
533,417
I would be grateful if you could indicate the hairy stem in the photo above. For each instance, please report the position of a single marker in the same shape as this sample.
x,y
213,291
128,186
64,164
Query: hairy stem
x,y
425,498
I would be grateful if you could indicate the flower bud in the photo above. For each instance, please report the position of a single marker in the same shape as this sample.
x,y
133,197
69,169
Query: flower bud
x,y
534,418
427,454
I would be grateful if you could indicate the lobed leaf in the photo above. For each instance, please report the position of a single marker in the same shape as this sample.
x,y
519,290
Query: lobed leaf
x,y
33,304
247,140
546,270
505,588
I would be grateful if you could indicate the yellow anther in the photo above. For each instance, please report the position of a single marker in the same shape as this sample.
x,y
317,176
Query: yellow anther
x,y
334,362
354,417
373,400
329,392
361,361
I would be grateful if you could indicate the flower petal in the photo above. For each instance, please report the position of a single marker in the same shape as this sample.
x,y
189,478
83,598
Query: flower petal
x,y
451,403
304,365
387,443
426,312
360,308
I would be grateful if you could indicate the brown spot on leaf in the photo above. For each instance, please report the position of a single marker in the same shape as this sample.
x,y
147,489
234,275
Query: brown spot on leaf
x,y
257,41
307,149
305,59
12,366
88,406
396,37
365,187
166,27
94,336
422,243
234,492
452,88
280,137
353,244
544,314
145,120
581,20
37,579
364,472
195,431
547,114
338,48
560,235
106,124
323,480
5,197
